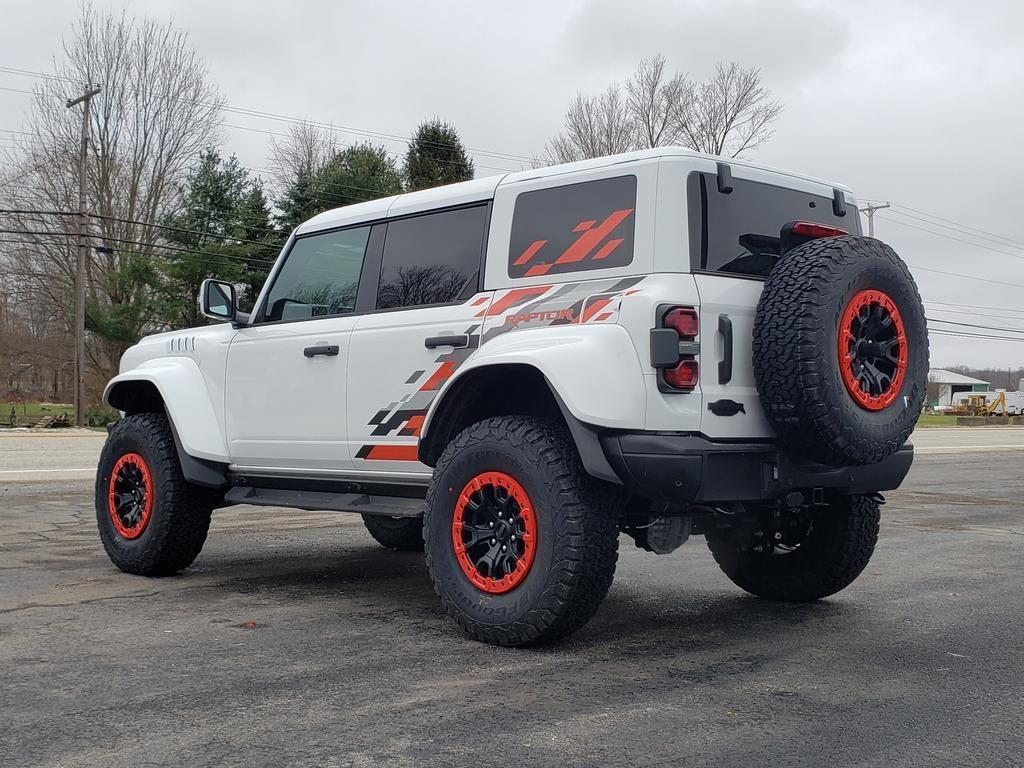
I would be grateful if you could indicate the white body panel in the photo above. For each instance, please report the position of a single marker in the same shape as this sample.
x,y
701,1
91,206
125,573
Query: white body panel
x,y
283,409
250,397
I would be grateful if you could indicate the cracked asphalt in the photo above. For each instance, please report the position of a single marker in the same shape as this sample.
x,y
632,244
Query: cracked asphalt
x,y
296,640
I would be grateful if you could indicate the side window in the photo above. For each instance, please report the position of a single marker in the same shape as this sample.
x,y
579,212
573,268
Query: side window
x,y
573,228
319,277
432,259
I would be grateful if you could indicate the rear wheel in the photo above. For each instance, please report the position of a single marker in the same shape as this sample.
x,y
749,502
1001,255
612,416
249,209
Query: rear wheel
x,y
816,557
520,542
151,521
404,534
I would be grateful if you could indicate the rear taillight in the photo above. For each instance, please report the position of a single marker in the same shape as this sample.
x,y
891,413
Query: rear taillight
x,y
683,376
814,231
682,320
674,348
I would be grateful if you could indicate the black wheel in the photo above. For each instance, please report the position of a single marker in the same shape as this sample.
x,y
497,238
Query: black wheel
x,y
821,556
841,350
151,521
521,543
402,533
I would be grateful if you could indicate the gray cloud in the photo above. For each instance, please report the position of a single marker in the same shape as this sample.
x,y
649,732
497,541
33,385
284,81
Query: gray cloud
x,y
918,102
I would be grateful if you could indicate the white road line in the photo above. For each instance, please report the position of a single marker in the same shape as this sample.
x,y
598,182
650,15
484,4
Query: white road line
x,y
40,471
966,448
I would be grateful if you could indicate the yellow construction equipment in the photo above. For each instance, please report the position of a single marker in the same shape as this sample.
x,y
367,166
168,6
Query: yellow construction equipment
x,y
978,405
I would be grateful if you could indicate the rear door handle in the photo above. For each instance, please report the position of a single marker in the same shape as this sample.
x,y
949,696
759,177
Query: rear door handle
x,y
459,341
327,350
725,364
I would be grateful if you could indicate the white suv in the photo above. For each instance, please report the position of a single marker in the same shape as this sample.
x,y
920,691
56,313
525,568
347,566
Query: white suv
x,y
511,371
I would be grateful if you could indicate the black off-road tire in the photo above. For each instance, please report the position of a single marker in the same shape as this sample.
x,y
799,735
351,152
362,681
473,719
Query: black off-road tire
x,y
833,555
796,354
404,534
576,542
180,516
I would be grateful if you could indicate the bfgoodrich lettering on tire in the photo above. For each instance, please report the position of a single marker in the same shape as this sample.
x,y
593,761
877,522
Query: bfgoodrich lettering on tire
x,y
151,521
520,543
841,350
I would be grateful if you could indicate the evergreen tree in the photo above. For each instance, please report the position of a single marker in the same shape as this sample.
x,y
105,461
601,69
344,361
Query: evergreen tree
x,y
436,156
353,175
222,208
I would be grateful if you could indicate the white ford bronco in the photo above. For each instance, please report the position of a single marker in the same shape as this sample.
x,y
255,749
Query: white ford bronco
x,y
513,371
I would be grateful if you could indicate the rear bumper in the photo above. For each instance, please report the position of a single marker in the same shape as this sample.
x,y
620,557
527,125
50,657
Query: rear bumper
x,y
686,468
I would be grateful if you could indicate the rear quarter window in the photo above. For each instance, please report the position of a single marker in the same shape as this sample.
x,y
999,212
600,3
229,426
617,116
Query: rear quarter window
x,y
573,228
739,232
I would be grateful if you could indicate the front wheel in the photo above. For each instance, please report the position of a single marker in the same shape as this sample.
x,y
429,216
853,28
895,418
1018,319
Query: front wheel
x,y
521,545
820,556
152,522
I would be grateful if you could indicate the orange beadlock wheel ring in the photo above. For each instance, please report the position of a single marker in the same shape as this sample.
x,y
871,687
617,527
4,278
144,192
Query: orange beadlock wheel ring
x,y
494,532
130,495
872,350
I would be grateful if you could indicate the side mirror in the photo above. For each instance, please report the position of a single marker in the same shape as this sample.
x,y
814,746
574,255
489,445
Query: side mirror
x,y
217,300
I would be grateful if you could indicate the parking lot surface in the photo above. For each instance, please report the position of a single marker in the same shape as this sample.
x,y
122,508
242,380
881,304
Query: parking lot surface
x,y
295,639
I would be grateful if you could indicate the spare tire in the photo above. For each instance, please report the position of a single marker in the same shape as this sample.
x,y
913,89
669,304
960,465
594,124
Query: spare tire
x,y
841,350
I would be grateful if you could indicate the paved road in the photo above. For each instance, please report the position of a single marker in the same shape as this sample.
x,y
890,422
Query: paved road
x,y
50,455
294,639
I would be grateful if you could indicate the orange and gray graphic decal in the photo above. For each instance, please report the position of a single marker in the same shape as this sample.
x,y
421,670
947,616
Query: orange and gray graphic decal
x,y
405,418
573,228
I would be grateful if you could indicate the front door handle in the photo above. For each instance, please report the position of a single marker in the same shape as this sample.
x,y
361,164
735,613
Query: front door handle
x,y
725,364
327,350
459,341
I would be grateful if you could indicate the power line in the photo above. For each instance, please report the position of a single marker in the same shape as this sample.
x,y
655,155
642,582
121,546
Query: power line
x,y
268,262
974,306
996,239
972,325
331,127
966,276
262,245
964,226
950,237
959,334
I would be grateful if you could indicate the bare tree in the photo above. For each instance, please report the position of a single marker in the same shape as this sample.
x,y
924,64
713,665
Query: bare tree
x,y
156,112
303,151
730,113
657,104
594,127
727,114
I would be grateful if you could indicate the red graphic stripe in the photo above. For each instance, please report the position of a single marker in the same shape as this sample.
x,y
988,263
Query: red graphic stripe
x,y
414,425
392,453
480,301
538,269
513,297
607,248
593,308
603,316
439,377
589,239
583,226
529,253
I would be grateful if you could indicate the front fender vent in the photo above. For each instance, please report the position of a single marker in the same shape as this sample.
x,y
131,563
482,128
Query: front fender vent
x,y
181,345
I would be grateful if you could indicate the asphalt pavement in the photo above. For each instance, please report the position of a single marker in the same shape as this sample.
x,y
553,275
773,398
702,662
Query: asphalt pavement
x,y
295,640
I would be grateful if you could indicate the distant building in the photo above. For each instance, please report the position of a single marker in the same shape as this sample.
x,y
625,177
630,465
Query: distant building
x,y
944,385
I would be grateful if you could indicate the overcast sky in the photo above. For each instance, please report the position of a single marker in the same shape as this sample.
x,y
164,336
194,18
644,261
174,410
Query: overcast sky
x,y
919,103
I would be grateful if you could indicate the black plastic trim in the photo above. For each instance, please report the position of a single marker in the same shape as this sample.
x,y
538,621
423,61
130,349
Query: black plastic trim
x,y
203,472
838,202
321,484
588,445
724,173
683,468
725,364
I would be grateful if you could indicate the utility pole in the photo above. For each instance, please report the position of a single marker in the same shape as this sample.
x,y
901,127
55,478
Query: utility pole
x,y
83,242
869,211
